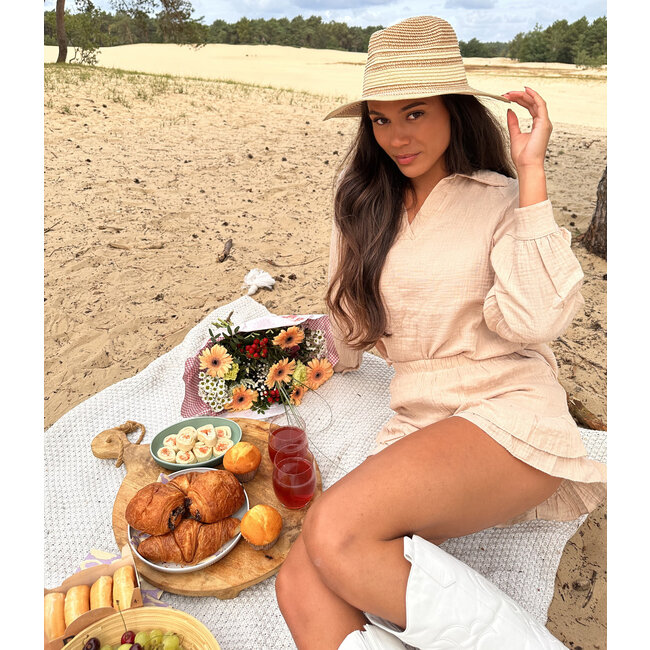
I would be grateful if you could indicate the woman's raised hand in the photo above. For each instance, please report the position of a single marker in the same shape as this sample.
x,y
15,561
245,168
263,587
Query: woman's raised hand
x,y
528,149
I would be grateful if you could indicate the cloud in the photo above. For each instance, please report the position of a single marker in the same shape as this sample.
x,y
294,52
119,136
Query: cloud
x,y
470,4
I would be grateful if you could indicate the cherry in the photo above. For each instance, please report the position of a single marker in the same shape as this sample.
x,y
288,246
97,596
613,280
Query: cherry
x,y
128,637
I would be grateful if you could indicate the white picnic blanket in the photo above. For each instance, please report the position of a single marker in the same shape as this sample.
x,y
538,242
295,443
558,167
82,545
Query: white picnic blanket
x,y
80,489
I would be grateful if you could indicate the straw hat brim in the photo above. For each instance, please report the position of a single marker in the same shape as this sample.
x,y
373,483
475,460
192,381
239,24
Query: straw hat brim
x,y
354,109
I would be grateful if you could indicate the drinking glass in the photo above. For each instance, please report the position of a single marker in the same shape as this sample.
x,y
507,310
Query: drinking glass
x,y
284,436
292,449
294,480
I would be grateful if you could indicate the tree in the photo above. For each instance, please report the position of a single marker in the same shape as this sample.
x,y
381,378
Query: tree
x,y
595,238
61,37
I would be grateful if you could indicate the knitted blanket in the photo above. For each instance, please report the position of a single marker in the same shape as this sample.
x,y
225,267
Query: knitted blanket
x,y
80,489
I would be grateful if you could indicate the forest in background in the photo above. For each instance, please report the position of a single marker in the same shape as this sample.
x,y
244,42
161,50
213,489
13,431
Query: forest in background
x,y
581,42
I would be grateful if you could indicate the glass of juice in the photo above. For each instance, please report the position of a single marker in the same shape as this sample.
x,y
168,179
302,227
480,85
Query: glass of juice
x,y
282,436
293,449
294,480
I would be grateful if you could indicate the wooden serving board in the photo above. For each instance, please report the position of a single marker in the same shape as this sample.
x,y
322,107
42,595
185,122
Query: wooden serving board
x,y
243,566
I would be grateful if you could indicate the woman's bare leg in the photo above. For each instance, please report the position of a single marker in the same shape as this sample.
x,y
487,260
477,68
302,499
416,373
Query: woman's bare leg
x,y
301,592
446,480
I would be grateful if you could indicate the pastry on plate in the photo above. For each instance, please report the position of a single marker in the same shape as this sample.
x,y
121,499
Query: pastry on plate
x,y
156,508
222,446
207,435
185,458
170,441
167,454
223,432
202,452
186,438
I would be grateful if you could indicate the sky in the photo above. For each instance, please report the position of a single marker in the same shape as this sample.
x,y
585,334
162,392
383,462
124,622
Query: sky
x,y
486,20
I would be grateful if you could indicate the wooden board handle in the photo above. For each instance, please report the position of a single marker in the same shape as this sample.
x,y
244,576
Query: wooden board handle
x,y
112,442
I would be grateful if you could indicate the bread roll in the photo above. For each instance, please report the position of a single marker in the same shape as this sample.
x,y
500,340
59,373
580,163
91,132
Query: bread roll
x,y
243,460
101,593
123,586
54,618
261,527
77,601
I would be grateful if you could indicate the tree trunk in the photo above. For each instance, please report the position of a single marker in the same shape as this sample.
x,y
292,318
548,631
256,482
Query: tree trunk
x,y
595,239
60,31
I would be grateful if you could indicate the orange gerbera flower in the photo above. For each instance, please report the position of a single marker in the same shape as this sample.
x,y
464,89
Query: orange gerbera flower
x,y
215,360
280,371
242,398
289,338
318,372
297,394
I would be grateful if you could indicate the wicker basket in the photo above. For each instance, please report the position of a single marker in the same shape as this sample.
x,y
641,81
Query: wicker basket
x,y
194,635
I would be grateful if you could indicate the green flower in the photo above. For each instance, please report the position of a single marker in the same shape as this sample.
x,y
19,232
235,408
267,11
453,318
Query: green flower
x,y
300,373
231,375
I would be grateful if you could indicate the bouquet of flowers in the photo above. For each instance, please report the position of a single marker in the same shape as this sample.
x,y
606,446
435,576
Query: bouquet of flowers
x,y
240,370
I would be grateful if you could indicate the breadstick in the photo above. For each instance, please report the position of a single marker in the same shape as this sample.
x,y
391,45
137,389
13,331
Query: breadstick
x,y
54,619
77,601
123,586
101,593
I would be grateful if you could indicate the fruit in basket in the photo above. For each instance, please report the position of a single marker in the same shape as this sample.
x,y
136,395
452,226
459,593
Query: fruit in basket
x,y
142,638
171,642
92,644
128,637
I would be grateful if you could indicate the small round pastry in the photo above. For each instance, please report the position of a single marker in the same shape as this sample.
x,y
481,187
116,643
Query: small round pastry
x,y
207,435
243,460
185,458
170,441
223,432
261,527
202,452
167,454
222,446
186,438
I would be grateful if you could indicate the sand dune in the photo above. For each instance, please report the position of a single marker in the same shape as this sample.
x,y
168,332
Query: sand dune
x,y
574,96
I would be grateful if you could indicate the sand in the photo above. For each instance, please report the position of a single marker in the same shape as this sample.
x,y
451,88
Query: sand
x,y
146,177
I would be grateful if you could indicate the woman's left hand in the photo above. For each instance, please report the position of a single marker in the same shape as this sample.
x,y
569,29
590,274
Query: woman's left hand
x,y
528,149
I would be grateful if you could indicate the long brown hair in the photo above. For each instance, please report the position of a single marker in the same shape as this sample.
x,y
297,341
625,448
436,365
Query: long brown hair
x,y
368,206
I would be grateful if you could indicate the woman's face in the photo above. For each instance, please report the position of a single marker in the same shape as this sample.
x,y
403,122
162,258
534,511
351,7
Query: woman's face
x,y
415,133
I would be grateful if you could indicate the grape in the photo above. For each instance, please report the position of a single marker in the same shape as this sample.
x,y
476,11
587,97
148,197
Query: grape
x,y
106,647
155,633
136,646
128,637
125,646
92,644
171,642
142,638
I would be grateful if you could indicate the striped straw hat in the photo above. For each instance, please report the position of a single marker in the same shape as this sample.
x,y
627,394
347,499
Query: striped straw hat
x,y
418,57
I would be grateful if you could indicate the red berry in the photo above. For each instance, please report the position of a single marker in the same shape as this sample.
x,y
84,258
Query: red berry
x,y
128,637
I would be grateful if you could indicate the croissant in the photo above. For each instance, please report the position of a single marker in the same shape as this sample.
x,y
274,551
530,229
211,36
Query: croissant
x,y
211,496
156,509
190,542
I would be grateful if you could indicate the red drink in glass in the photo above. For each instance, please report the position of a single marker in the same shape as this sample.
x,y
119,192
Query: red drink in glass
x,y
294,481
297,449
284,436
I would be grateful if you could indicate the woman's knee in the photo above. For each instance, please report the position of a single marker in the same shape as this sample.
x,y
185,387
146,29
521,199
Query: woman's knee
x,y
330,538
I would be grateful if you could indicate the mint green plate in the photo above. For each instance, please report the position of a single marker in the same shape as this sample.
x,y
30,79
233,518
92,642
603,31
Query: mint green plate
x,y
157,442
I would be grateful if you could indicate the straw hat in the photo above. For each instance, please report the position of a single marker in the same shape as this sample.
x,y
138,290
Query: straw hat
x,y
418,57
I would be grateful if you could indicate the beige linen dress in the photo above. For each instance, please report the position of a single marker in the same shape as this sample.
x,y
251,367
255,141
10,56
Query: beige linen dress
x,y
474,288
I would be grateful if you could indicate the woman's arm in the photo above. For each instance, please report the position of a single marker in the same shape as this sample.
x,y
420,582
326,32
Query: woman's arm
x,y
528,150
536,290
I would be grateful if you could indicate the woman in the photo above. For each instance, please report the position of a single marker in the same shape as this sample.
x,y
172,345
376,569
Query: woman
x,y
458,274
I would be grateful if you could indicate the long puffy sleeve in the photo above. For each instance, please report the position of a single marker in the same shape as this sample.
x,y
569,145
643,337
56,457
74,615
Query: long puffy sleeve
x,y
536,290
349,358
